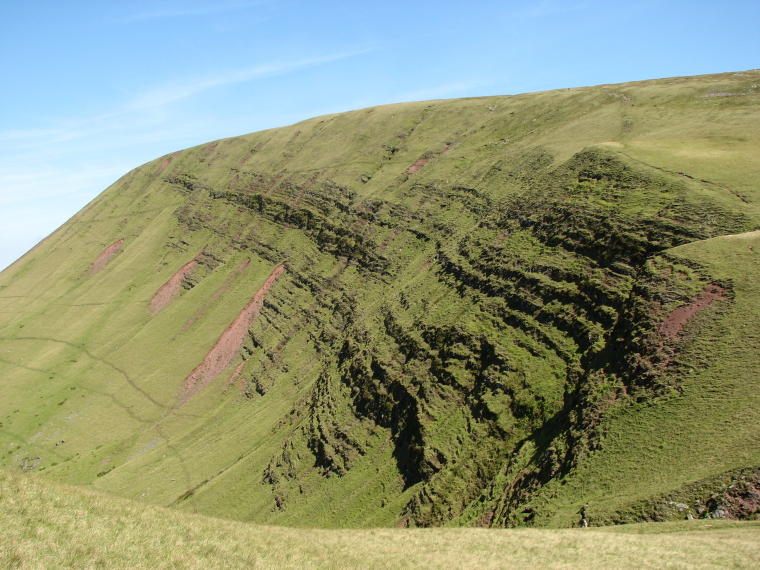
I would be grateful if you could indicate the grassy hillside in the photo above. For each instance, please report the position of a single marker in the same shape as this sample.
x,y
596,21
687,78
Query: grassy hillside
x,y
476,312
53,526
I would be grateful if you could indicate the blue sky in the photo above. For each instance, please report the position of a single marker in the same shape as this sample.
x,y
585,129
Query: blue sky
x,y
90,90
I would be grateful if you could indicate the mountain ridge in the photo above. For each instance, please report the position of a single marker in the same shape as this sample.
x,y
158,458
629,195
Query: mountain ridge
x,y
476,302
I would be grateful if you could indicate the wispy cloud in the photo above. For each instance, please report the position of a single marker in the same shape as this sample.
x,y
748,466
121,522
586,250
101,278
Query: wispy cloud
x,y
173,92
40,197
58,166
25,134
137,111
18,139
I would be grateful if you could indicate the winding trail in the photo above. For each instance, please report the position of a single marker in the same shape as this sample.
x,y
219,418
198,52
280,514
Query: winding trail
x,y
736,194
183,465
113,398
88,353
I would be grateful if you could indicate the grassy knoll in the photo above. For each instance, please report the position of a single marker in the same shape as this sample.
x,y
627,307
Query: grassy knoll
x,y
48,525
476,322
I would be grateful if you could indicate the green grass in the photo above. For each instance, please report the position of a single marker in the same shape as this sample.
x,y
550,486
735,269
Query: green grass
x,y
48,525
706,430
452,346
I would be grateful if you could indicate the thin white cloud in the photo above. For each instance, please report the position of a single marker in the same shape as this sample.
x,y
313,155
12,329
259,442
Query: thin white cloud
x,y
137,111
21,134
33,138
29,222
173,92
43,169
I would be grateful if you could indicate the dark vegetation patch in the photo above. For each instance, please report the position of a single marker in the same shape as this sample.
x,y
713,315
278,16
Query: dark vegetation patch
x,y
575,274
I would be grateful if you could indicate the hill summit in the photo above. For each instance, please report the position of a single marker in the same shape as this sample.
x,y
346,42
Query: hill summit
x,y
523,310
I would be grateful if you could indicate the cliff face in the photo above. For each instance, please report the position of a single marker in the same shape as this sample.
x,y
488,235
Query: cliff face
x,y
417,314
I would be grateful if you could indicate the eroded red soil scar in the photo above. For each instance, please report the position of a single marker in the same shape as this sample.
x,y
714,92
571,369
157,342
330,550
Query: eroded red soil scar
x,y
422,161
101,261
168,291
676,320
167,162
419,163
229,344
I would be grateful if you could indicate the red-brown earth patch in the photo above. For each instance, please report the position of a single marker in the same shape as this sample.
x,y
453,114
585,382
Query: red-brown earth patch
x,y
742,499
229,344
168,161
677,319
168,291
419,163
254,150
101,261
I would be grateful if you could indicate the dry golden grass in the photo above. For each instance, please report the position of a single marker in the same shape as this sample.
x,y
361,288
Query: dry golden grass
x,y
48,525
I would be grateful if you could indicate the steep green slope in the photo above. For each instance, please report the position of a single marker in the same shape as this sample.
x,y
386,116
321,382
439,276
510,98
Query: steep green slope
x,y
478,312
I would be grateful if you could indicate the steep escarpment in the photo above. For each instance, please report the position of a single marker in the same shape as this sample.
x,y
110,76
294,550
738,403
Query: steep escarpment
x,y
574,301
436,313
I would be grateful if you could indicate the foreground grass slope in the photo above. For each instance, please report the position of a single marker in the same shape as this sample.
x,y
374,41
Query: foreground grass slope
x,y
483,312
48,525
